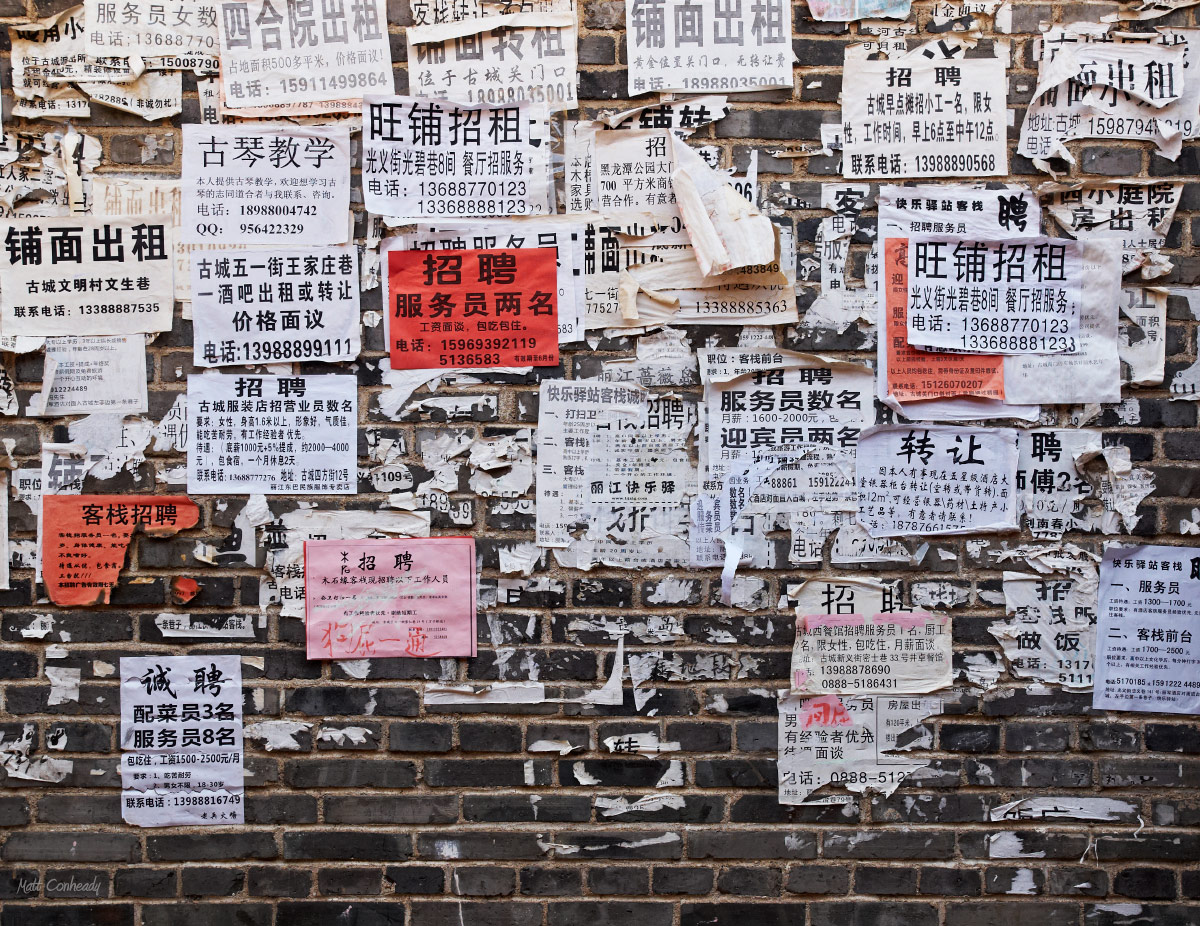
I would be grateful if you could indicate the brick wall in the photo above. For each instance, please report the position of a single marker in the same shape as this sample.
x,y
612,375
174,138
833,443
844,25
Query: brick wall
x,y
442,816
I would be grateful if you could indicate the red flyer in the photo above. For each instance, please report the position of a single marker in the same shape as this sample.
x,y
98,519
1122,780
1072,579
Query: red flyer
x,y
495,308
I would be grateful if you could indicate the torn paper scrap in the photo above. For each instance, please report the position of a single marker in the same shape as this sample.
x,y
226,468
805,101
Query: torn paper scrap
x,y
1051,634
847,741
85,539
726,231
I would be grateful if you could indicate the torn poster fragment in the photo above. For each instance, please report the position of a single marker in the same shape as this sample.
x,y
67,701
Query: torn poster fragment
x,y
1074,101
526,55
1147,643
1048,477
1051,634
727,232
181,741
85,539
84,375
1142,335
376,598
848,741
1138,213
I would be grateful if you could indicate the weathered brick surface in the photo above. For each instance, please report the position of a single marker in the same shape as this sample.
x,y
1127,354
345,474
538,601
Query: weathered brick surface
x,y
444,816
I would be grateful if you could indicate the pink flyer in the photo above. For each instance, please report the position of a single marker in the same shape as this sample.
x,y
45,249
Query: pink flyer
x,y
366,598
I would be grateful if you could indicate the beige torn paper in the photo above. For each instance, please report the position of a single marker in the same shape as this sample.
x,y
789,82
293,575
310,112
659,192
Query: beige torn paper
x,y
49,55
642,744
1066,807
650,803
1051,632
498,59
100,373
1148,9
1138,213
726,231
628,285
663,358
205,626
1137,70
277,734
856,637
495,693
154,95
1084,105
71,159
1093,374
837,306
852,742
64,685
32,184
1142,335
285,559
114,443
17,762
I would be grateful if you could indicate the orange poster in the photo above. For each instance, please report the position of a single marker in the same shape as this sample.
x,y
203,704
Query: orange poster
x,y
495,308
917,374
85,539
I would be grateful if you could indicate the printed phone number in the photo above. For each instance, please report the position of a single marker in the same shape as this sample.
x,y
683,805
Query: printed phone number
x,y
178,40
202,800
1013,343
954,163
1008,325
739,307
548,93
334,82
473,207
122,308
489,344
472,187
252,351
726,83
271,209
